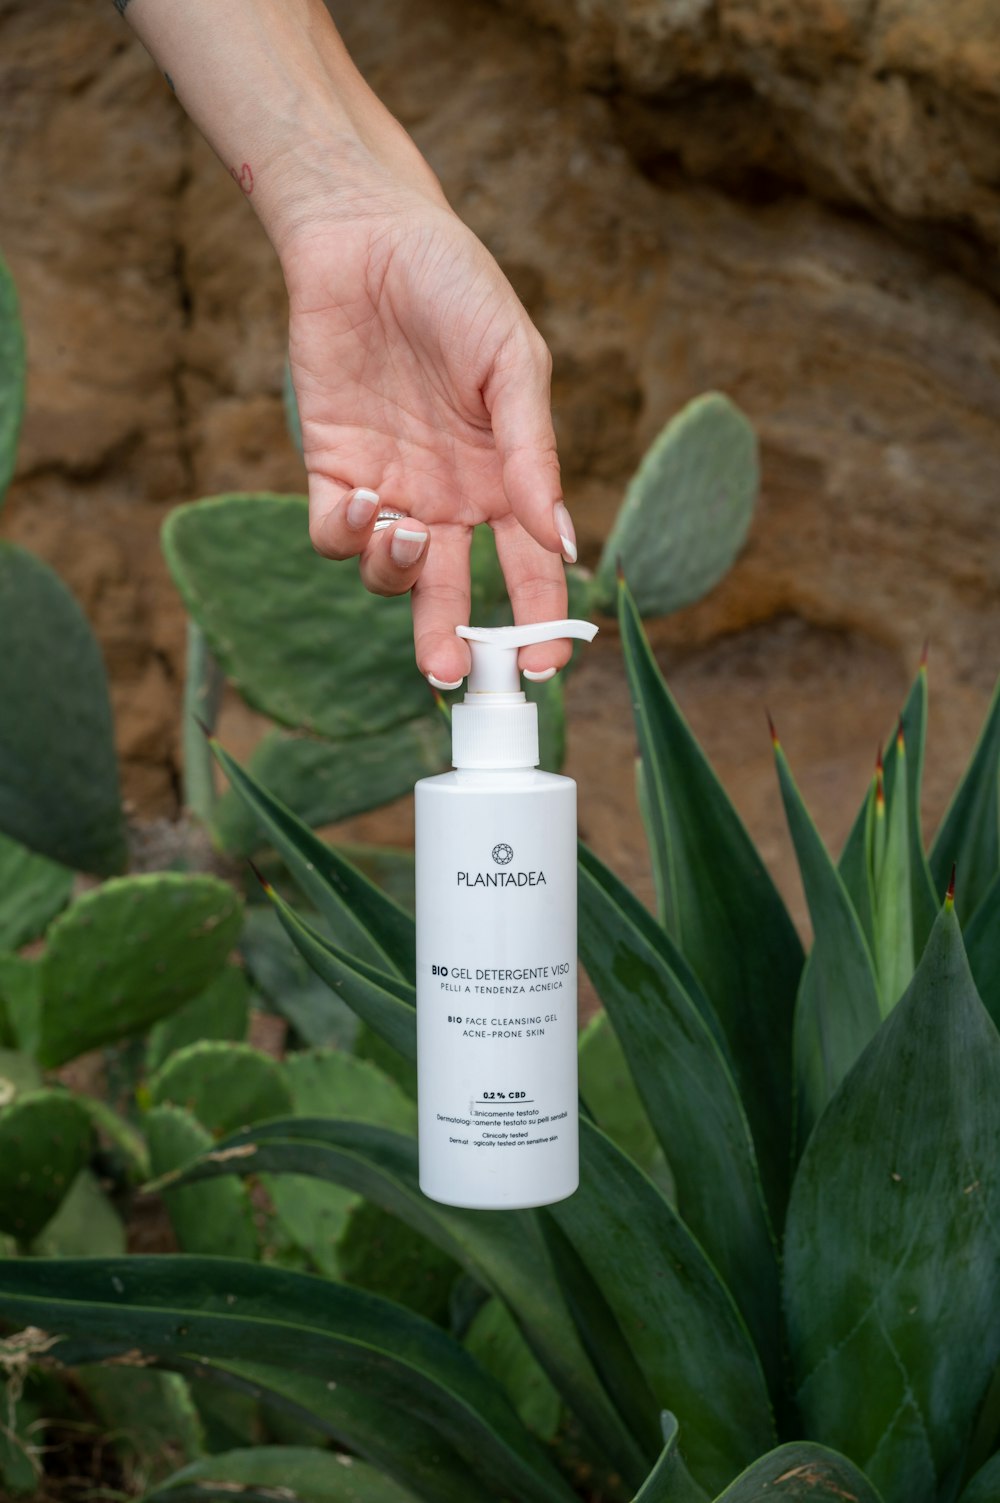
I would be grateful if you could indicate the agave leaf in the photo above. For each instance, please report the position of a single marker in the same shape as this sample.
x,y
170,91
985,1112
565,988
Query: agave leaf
x,y
58,793
232,1310
295,1474
680,1320
925,900
723,911
366,922
689,1094
670,1481
289,985
982,944
891,1243
855,865
801,1472
323,781
894,948
385,1002
504,1251
400,1443
494,1340
608,1346
985,1485
12,374
855,860
837,1010
609,1094
968,837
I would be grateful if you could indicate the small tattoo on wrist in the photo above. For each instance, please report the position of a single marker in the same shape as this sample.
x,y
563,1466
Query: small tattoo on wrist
x,y
243,176
121,6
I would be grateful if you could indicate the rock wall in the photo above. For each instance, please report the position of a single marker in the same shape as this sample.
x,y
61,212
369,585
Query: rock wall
x,y
893,105
155,320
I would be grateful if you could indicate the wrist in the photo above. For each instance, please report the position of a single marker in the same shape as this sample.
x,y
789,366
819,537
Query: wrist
x,y
335,168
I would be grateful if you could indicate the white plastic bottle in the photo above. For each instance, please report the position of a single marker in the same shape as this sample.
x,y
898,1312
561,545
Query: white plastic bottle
x,y
496,948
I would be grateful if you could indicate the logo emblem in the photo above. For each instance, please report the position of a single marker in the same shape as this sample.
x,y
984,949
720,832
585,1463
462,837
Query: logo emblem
x,y
503,854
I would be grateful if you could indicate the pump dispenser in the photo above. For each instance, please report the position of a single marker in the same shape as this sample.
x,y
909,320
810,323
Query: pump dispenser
x,y
496,947
497,726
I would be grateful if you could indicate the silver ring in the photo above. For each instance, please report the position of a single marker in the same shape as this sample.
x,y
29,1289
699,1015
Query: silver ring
x,y
386,517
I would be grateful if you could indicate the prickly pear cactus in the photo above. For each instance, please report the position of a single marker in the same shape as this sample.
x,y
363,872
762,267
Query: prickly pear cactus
x,y
19,1000
86,1225
12,366
224,1085
126,955
58,769
314,1214
45,1140
278,621
32,891
325,781
214,1218
221,1011
687,509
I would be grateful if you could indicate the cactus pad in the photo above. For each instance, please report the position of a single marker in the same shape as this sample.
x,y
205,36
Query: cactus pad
x,y
325,781
58,770
313,1213
86,1225
277,617
225,1086
45,1141
12,369
32,891
687,509
204,1220
129,953
221,1011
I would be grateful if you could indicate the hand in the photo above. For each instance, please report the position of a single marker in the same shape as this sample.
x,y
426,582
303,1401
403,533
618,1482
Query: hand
x,y
424,387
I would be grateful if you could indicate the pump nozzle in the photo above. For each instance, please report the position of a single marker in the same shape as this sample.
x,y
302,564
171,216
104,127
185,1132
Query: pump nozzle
x,y
494,650
496,727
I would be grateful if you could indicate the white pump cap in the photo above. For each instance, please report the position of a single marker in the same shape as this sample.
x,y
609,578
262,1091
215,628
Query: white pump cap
x,y
496,727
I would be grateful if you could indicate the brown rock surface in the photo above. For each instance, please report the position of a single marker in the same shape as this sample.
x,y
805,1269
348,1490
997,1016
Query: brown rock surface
x,y
155,319
890,104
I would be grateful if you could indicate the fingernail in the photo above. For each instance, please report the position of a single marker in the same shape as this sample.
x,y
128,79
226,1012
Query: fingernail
x,y
406,547
566,531
439,683
361,508
539,678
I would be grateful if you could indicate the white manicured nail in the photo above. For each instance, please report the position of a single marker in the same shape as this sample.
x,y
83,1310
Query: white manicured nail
x,y
406,547
361,508
566,531
439,683
539,678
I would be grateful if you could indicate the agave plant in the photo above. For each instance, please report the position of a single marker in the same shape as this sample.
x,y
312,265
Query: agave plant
x,y
801,1301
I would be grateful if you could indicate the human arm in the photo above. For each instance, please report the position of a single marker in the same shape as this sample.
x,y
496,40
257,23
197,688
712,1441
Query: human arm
x,y
418,374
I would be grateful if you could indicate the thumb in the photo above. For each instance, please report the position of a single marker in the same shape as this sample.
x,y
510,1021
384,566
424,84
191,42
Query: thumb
x,y
518,399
